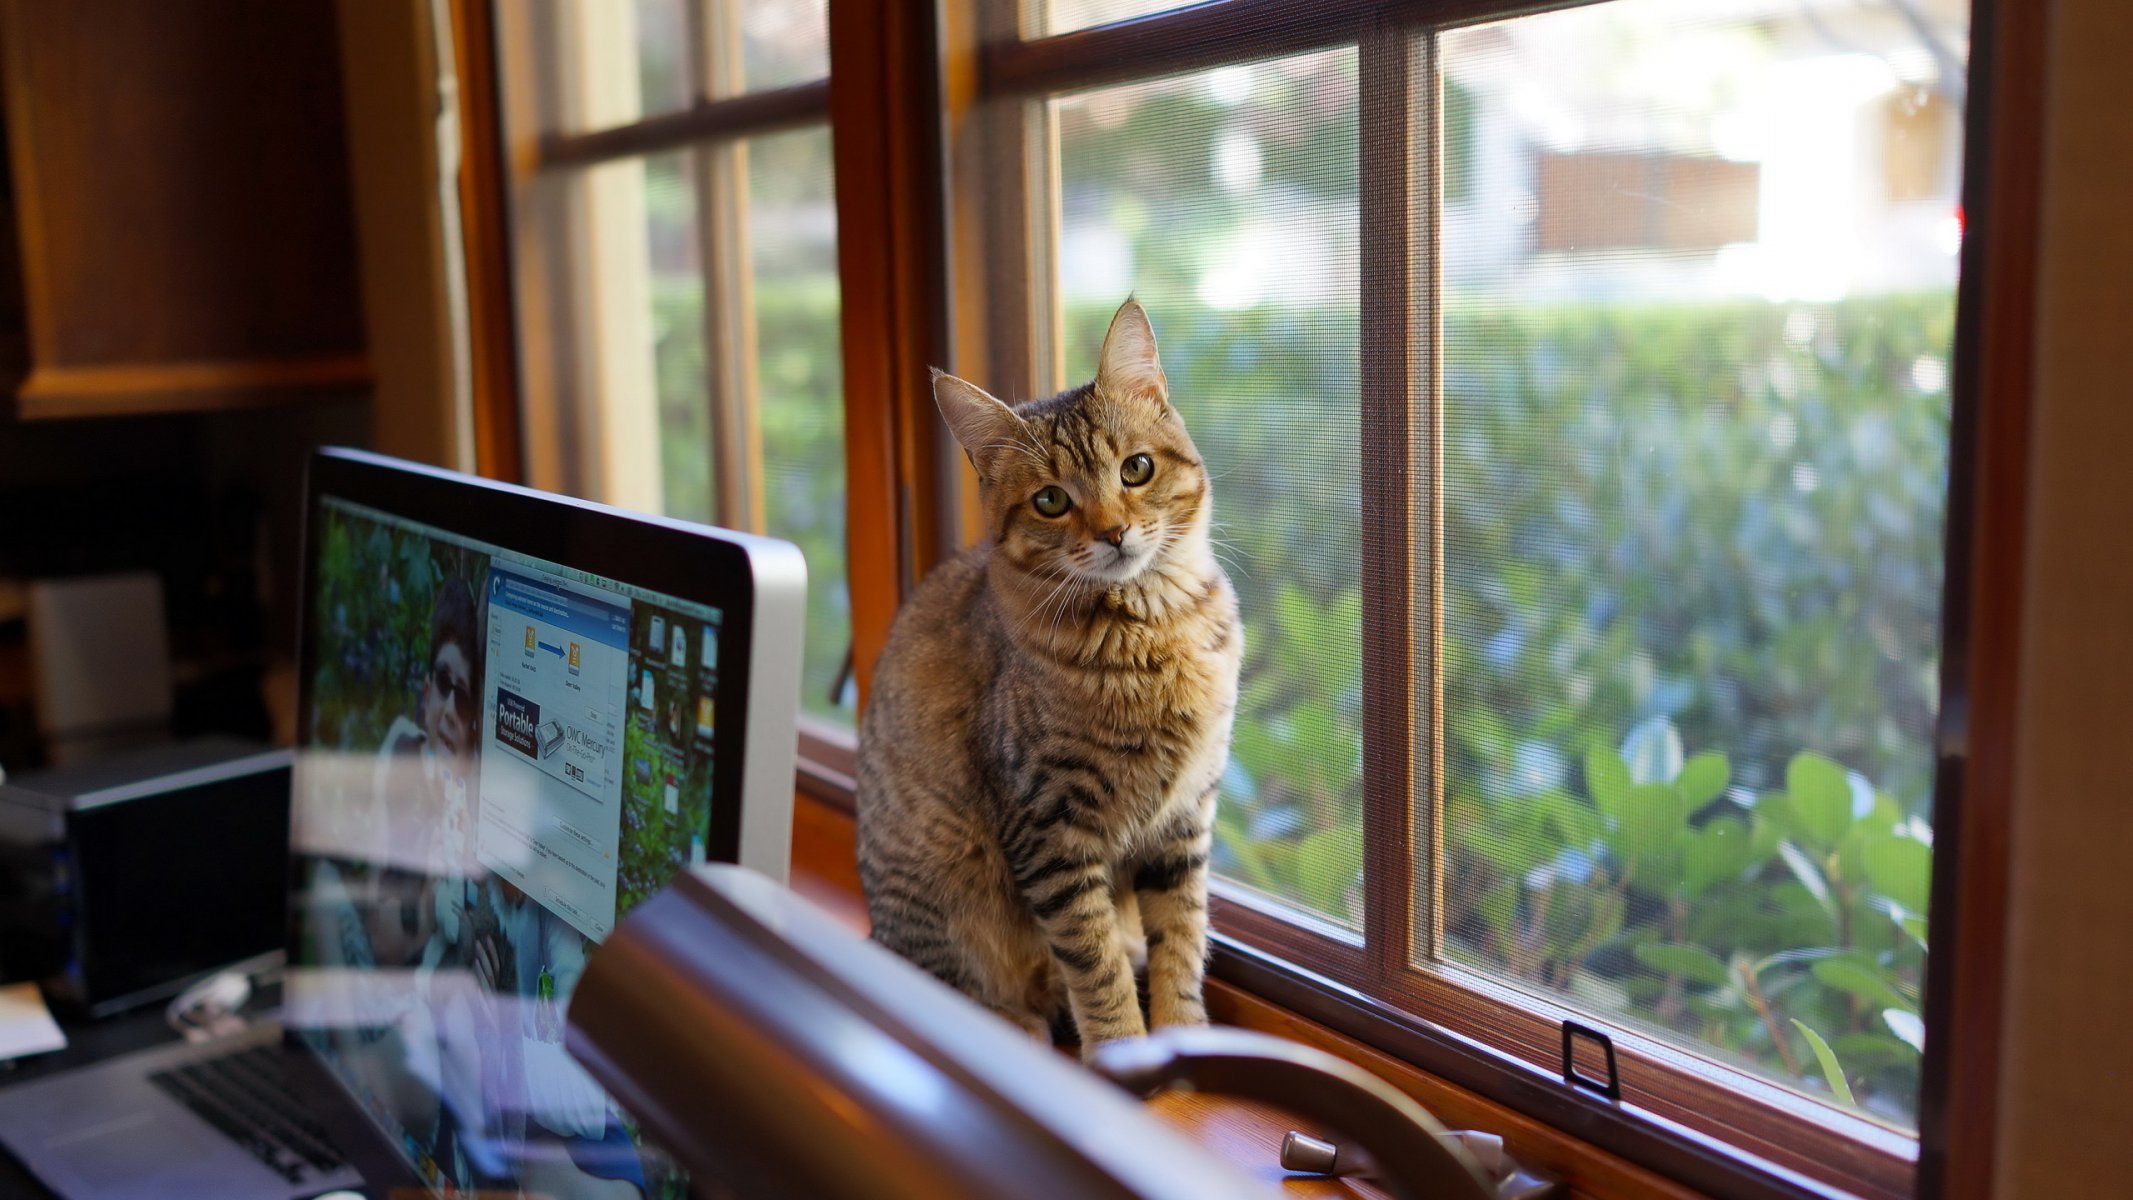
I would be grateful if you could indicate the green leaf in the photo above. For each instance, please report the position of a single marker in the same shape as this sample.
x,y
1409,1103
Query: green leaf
x,y
1820,797
1704,777
1650,833
1250,865
1327,864
1607,778
1499,908
1869,1052
1809,875
1719,851
1692,963
1583,927
1806,954
1828,1058
1915,926
1883,817
1862,979
1576,823
1901,868
1764,833
1906,1024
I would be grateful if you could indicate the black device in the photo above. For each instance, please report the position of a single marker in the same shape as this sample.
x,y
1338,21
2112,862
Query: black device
x,y
126,877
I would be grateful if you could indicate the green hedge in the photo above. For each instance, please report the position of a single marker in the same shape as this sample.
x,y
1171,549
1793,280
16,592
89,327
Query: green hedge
x,y
1713,524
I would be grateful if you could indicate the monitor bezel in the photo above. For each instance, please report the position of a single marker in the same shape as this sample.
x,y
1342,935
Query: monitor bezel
x,y
720,568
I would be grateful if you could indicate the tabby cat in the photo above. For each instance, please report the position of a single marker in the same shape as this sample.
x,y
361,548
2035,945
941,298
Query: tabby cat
x,y
1051,715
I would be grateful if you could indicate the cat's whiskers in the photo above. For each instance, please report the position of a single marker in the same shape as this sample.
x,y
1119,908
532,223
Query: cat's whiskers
x,y
1063,572
1216,546
1081,588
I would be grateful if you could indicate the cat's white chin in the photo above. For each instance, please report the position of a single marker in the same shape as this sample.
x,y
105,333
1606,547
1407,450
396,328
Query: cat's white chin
x,y
1122,568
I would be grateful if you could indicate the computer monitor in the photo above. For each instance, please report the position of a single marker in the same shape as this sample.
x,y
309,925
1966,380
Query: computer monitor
x,y
519,716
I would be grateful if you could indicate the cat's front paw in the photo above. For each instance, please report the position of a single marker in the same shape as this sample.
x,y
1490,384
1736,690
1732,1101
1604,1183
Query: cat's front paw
x,y
1166,1011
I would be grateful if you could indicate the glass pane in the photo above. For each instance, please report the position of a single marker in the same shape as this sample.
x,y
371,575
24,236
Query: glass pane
x,y
1046,17
621,351
675,281
608,64
614,64
1226,201
663,55
783,42
792,240
1698,295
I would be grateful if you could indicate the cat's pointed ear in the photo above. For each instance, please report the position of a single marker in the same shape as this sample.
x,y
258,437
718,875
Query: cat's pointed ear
x,y
981,424
1128,365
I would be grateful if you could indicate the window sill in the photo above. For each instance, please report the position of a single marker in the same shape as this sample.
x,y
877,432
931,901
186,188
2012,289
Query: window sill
x,y
824,871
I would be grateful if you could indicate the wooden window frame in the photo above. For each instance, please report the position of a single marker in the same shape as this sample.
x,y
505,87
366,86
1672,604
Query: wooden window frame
x,y
1714,1127
511,153
912,81
714,127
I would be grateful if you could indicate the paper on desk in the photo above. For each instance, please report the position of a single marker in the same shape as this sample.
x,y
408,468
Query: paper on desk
x,y
26,1025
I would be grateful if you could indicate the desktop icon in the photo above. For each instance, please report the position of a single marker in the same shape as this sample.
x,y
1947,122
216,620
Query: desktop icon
x,y
659,635
703,716
681,647
529,639
573,658
644,690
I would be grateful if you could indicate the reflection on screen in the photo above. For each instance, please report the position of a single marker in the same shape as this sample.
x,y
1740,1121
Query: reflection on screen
x,y
501,756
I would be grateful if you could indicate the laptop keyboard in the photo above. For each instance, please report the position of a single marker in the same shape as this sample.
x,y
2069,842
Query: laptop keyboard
x,y
246,1095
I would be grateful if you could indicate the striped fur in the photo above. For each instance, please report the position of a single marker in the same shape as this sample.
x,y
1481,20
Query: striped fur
x,y
1048,723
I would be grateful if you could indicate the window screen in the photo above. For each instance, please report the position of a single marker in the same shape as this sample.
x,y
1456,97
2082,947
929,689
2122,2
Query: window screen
x,y
1575,389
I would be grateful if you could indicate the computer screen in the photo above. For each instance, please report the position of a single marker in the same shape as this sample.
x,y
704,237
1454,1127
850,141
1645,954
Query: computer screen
x,y
509,738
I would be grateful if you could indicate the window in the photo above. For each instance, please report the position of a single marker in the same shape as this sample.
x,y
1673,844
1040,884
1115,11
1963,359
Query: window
x,y
1575,379
674,248
1576,388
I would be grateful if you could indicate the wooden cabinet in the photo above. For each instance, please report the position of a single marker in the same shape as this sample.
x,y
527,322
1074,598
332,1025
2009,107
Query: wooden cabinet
x,y
180,207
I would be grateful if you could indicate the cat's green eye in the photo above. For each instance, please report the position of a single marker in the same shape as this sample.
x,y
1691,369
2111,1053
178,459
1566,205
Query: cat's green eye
x,y
1137,470
1051,501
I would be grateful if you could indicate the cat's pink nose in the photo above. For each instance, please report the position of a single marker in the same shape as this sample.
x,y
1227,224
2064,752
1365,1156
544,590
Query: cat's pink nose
x,y
1116,535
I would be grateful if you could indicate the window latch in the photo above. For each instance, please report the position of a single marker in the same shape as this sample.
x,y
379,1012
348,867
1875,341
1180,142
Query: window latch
x,y
1611,1087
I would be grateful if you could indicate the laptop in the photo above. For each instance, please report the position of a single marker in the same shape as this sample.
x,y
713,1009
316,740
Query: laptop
x,y
519,716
